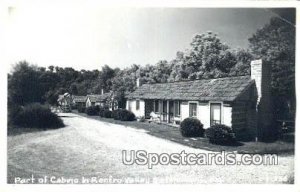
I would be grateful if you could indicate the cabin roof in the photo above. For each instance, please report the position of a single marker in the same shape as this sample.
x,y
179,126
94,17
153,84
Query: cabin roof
x,y
78,98
220,89
99,98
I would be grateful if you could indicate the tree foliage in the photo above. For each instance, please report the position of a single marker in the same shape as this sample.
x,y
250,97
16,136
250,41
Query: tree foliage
x,y
275,44
207,57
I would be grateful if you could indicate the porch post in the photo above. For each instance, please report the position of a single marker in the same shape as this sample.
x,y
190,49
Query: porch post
x,y
160,103
168,120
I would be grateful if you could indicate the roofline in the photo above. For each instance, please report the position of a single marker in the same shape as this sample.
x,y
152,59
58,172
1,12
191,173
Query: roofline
x,y
246,88
189,80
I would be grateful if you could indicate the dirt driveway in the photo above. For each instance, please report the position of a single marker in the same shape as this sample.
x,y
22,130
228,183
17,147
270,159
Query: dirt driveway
x,y
92,149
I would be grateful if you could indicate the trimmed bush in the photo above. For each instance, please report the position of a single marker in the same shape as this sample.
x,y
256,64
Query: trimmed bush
x,y
123,115
37,116
220,134
191,127
116,114
107,113
101,112
127,115
81,109
92,110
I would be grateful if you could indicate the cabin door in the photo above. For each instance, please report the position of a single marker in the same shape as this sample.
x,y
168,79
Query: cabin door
x,y
215,113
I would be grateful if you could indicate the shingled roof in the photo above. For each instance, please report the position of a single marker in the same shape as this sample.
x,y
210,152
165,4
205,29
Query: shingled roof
x,y
99,98
221,89
78,98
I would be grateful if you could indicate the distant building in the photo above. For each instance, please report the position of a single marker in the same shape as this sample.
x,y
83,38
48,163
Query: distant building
x,y
78,101
65,102
104,100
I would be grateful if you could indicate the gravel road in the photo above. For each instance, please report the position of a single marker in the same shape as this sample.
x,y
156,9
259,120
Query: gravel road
x,y
90,151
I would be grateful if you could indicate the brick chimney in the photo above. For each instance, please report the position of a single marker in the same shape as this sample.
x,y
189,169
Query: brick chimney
x,y
261,73
138,82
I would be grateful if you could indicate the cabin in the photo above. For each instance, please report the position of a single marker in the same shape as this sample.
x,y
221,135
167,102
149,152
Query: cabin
x,y
104,100
241,102
78,101
65,102
94,100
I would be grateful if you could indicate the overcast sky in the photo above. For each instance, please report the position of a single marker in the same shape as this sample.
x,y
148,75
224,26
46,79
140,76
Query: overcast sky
x,y
88,38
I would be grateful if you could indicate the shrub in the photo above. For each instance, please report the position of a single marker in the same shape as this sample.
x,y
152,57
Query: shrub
x,y
191,127
38,116
116,114
123,115
220,134
107,113
81,109
101,112
92,110
13,112
127,115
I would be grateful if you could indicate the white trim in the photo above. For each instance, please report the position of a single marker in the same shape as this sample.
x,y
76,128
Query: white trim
x,y
222,110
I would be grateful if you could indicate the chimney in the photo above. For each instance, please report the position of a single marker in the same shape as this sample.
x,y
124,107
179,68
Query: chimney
x,y
102,91
138,82
261,73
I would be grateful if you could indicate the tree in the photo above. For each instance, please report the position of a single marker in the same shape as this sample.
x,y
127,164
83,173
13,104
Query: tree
x,y
105,77
24,84
243,59
275,44
208,57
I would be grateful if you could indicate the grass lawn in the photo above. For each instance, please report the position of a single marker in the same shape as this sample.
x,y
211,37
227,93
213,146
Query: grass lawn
x,y
173,134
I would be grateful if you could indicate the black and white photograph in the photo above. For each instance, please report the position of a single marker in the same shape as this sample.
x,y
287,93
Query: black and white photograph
x,y
150,95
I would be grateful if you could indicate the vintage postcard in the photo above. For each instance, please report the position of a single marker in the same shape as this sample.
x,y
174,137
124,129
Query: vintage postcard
x,y
150,94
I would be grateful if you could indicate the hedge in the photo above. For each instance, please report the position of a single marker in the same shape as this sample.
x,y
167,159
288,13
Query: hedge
x,y
37,116
123,115
220,134
191,127
92,110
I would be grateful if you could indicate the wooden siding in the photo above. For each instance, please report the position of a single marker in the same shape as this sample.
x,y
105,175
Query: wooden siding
x,y
244,115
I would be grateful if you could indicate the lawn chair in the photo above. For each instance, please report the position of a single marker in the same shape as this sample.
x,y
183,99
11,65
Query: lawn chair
x,y
155,117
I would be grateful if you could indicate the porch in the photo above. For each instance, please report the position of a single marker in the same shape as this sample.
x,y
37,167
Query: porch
x,y
163,111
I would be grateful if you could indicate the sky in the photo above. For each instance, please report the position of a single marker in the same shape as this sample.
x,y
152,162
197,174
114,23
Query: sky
x,y
90,37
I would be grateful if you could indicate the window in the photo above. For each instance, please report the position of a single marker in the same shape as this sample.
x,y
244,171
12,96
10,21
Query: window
x,y
193,109
156,106
215,113
137,106
177,108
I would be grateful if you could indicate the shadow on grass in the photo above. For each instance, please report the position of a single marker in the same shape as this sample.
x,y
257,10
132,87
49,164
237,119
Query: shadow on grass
x,y
14,131
64,116
173,134
230,144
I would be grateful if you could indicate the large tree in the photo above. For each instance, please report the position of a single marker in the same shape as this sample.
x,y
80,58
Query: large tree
x,y
207,57
275,44
24,85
